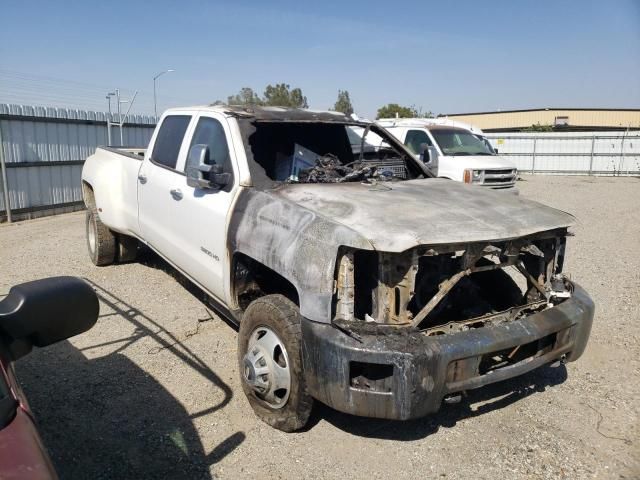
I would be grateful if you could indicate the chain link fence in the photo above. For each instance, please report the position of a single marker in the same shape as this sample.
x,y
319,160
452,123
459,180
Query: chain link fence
x,y
577,153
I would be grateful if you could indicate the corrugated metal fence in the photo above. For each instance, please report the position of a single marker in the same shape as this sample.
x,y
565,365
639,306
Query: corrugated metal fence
x,y
575,153
42,152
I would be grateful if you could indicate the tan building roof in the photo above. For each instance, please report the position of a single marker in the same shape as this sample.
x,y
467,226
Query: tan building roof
x,y
560,118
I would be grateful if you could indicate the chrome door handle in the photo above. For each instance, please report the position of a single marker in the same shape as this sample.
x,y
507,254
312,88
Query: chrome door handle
x,y
176,193
142,178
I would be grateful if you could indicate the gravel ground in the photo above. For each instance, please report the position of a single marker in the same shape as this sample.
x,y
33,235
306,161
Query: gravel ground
x,y
152,391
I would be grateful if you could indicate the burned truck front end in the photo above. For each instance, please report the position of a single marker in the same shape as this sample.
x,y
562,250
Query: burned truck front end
x,y
413,329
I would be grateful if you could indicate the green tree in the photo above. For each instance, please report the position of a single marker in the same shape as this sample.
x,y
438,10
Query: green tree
x,y
538,128
246,96
281,95
343,103
421,113
390,110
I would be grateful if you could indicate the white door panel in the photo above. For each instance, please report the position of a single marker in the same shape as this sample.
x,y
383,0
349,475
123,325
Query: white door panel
x,y
159,209
202,217
159,186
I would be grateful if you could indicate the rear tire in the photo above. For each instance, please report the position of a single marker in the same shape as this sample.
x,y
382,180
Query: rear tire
x,y
279,317
101,242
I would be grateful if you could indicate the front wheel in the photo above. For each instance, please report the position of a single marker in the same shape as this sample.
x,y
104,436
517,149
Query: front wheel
x,y
270,361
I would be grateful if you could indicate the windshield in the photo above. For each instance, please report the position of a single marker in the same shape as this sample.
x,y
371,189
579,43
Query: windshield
x,y
317,152
461,142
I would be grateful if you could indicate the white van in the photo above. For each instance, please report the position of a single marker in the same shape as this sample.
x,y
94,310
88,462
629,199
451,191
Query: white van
x,y
453,150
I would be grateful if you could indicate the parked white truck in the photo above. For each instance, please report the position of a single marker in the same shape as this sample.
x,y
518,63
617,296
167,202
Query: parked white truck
x,y
355,277
454,150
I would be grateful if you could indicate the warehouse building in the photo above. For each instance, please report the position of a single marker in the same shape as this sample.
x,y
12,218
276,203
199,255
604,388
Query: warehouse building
x,y
553,119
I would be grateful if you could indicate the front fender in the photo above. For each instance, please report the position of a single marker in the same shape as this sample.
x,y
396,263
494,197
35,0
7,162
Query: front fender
x,y
295,242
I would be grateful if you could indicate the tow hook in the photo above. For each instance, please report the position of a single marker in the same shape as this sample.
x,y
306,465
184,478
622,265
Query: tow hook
x,y
561,361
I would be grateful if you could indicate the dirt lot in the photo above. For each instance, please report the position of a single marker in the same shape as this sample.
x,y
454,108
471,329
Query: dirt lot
x,y
152,391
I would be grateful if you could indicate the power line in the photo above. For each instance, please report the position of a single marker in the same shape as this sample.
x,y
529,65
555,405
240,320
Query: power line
x,y
43,81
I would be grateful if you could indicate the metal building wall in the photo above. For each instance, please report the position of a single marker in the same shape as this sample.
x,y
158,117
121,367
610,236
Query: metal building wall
x,y
577,118
578,153
43,150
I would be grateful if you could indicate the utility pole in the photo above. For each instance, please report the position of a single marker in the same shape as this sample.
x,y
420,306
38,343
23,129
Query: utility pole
x,y
119,115
121,119
155,102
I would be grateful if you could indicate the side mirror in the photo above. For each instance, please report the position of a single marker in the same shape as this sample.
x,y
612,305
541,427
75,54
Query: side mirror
x,y
46,311
424,152
199,168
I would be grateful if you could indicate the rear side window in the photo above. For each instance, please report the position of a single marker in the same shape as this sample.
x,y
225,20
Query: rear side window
x,y
415,138
169,139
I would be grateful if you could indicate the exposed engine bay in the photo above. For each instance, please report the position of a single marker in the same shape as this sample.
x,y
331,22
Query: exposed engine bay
x,y
293,152
451,288
328,169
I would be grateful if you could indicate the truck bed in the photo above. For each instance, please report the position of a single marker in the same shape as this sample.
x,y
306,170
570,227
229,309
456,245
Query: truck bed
x,y
136,153
114,177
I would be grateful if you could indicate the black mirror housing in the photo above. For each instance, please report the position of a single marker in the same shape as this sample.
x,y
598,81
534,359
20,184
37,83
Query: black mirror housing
x,y
46,311
198,164
424,152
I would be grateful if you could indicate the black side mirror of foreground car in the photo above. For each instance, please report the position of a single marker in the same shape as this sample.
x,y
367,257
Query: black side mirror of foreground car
x,y
46,311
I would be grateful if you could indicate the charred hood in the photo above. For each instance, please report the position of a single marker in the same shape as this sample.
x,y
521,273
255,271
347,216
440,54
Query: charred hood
x,y
394,217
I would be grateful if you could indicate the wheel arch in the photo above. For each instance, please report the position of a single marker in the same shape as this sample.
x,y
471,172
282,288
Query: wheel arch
x,y
88,196
251,279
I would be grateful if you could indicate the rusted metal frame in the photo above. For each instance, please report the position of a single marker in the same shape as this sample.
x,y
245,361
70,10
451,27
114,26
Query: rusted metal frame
x,y
504,315
472,253
447,285
345,287
531,279
520,242
396,283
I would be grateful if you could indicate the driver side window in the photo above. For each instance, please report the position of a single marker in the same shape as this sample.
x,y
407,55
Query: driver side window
x,y
415,138
210,132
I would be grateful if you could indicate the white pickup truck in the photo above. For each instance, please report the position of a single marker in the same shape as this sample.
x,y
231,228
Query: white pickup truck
x,y
355,277
454,150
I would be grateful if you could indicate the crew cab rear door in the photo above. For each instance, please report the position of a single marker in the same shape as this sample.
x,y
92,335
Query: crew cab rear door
x,y
160,180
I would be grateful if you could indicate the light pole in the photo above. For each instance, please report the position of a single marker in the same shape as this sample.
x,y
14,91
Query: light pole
x,y
108,97
155,105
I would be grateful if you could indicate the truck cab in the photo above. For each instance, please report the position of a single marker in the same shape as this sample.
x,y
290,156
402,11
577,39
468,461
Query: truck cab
x,y
454,150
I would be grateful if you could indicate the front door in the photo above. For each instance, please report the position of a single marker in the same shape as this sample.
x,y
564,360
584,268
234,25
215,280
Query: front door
x,y
202,222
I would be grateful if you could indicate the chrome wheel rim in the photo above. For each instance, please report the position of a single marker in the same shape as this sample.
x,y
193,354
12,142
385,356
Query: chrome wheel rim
x,y
266,367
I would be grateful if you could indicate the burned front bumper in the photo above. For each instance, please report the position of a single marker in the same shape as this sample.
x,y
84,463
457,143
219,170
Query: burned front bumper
x,y
405,375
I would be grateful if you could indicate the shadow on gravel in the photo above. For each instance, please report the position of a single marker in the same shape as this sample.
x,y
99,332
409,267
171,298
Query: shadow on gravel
x,y
145,326
491,397
149,258
107,418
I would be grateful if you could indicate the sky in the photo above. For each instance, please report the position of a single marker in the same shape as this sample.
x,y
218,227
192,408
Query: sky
x,y
443,57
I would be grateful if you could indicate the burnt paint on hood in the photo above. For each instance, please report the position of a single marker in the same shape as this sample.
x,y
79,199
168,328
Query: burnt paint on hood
x,y
394,217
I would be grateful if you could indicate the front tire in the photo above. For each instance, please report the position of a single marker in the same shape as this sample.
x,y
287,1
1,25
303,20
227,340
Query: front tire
x,y
101,242
270,361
